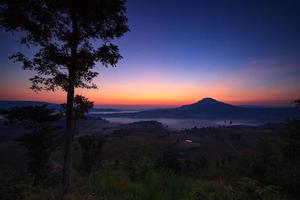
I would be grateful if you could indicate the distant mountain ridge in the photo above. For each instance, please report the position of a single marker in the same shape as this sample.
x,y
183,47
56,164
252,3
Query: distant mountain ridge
x,y
10,104
205,108
211,108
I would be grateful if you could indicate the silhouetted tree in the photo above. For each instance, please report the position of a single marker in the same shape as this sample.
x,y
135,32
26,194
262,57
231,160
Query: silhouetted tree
x,y
64,33
40,142
81,107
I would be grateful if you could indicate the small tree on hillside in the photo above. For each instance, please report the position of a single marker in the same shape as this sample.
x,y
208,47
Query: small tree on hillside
x,y
81,107
91,147
70,37
40,142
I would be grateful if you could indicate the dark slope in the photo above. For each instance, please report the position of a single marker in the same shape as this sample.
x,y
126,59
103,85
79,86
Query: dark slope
x,y
10,104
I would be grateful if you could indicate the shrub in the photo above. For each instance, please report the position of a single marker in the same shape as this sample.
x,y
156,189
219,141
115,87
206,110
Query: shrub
x,y
14,185
250,189
90,152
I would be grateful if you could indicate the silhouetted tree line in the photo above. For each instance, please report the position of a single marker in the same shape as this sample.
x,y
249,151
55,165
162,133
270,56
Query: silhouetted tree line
x,y
40,142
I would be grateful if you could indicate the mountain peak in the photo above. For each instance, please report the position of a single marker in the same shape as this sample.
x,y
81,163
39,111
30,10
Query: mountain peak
x,y
207,100
210,102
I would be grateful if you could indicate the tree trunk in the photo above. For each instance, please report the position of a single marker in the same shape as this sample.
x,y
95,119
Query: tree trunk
x,y
68,137
69,113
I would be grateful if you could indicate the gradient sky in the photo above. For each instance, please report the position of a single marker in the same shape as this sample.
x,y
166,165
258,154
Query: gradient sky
x,y
177,52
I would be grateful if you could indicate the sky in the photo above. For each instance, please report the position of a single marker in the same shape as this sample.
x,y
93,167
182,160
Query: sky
x,y
178,52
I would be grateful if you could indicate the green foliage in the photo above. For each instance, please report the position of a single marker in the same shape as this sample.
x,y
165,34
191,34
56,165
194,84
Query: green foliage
x,y
114,185
263,163
163,185
231,168
205,190
190,166
289,173
268,171
90,152
250,189
138,164
14,185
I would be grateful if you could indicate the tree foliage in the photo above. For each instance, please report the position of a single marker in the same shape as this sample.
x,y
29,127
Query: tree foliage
x,y
70,37
64,33
81,106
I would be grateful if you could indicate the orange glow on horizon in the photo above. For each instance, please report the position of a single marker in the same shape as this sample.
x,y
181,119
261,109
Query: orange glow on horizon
x,y
161,95
154,89
144,101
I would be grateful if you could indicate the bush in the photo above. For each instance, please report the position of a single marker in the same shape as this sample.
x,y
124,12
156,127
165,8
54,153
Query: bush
x,y
14,185
169,160
90,152
250,189
138,164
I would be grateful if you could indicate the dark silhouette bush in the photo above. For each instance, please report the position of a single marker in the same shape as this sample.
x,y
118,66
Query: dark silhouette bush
x,y
90,147
14,185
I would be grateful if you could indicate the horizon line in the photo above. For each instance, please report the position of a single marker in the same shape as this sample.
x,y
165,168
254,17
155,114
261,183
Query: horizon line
x,y
278,103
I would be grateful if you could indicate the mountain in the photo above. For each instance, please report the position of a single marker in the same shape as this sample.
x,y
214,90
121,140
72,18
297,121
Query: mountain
x,y
205,108
211,108
208,105
10,104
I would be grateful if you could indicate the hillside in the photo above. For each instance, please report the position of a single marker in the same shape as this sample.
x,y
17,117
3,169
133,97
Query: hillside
x,y
10,104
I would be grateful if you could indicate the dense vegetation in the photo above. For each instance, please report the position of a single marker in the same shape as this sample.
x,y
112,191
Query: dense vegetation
x,y
130,164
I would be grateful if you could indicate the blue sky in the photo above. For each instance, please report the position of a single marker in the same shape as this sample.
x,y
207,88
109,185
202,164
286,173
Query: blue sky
x,y
177,52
